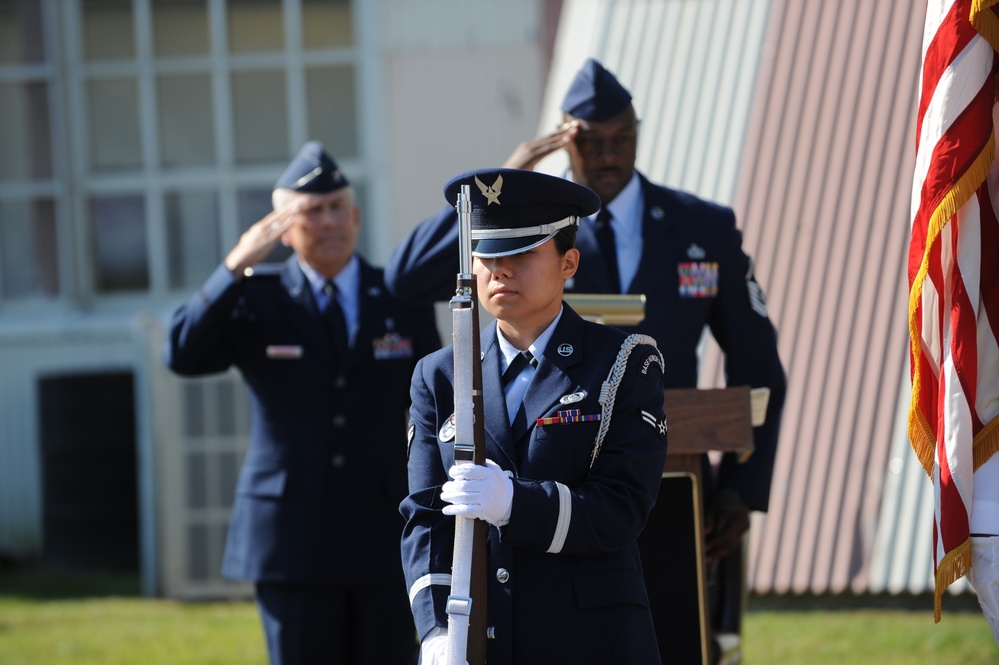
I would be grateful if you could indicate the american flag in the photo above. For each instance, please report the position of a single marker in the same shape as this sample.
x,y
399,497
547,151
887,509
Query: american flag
x,y
954,270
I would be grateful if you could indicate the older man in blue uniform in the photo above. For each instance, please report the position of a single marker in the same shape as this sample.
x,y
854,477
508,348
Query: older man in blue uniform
x,y
685,254
575,442
327,354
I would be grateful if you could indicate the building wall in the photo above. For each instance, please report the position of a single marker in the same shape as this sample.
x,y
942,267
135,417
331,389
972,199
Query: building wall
x,y
155,136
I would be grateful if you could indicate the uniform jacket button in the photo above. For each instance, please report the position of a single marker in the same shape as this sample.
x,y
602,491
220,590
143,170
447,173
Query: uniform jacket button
x,y
491,633
339,460
340,381
339,420
502,575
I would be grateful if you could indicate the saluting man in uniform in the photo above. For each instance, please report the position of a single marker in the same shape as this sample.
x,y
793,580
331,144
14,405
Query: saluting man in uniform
x,y
685,255
575,440
327,354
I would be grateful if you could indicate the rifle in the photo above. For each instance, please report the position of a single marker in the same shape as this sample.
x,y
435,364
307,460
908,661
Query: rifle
x,y
466,605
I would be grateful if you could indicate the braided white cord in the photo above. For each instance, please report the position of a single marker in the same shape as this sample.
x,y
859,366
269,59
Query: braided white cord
x,y
608,389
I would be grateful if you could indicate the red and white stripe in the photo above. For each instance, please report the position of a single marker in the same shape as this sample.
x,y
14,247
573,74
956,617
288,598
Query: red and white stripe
x,y
954,270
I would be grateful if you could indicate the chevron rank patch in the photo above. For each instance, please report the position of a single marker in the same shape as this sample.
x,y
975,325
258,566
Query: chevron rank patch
x,y
658,425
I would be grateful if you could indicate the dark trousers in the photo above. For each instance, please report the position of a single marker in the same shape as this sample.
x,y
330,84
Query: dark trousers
x,y
337,625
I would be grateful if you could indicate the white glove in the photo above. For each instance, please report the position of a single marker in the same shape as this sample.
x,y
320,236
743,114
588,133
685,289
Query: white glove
x,y
482,492
433,650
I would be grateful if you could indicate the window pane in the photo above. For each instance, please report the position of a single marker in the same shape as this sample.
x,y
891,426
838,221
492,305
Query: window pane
x,y
260,117
25,150
192,237
114,125
254,205
255,26
327,23
29,265
21,36
187,136
118,229
332,109
180,27
107,29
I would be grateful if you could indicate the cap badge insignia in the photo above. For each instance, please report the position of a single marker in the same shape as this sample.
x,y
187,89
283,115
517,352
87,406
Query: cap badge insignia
x,y
492,194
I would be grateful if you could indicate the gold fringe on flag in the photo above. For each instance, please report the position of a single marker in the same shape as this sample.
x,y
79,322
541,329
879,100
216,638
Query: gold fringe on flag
x,y
986,444
986,21
921,435
952,567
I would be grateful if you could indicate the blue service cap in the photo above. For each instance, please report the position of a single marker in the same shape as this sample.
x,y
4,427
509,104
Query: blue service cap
x,y
514,210
312,170
595,94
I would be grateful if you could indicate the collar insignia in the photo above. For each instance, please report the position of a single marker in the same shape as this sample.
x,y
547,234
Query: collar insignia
x,y
492,194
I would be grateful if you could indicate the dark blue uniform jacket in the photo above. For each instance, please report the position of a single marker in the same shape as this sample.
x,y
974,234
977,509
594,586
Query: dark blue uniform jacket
x,y
318,493
565,578
693,273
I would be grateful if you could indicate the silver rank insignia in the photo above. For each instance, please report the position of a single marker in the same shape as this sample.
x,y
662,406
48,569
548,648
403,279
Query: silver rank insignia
x,y
447,431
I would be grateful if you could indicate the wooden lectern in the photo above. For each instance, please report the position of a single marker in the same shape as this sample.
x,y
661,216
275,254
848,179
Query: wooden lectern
x,y
700,421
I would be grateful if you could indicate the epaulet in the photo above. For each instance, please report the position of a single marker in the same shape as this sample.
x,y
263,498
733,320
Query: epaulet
x,y
263,270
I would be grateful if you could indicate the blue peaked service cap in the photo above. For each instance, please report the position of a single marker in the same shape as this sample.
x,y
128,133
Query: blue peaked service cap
x,y
515,210
313,171
595,94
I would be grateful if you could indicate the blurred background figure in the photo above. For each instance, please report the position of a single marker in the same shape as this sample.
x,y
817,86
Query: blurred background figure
x,y
327,354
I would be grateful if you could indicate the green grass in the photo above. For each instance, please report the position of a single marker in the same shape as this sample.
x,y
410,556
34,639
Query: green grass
x,y
51,619
897,631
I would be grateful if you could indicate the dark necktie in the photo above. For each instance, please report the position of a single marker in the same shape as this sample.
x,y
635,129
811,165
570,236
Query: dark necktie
x,y
519,362
335,321
605,239
519,423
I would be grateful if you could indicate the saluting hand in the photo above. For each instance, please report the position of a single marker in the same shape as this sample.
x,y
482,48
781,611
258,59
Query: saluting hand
x,y
258,240
529,153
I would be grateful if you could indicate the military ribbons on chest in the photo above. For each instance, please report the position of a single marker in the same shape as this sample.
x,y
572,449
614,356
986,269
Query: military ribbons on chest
x,y
568,416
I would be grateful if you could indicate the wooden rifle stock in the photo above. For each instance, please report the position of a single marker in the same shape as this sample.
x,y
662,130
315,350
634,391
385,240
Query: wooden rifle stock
x,y
466,606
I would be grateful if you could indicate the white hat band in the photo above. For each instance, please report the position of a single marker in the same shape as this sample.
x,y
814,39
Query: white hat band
x,y
542,230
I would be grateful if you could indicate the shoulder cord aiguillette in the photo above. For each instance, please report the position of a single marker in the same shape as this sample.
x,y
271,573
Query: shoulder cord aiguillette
x,y
608,390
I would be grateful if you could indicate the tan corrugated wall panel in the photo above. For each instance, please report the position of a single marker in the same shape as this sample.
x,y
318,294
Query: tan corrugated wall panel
x,y
823,197
800,114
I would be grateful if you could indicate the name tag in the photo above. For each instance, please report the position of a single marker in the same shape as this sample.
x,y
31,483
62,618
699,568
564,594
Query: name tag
x,y
392,346
286,352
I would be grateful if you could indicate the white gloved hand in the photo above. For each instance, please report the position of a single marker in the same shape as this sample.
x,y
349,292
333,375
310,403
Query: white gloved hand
x,y
481,492
433,649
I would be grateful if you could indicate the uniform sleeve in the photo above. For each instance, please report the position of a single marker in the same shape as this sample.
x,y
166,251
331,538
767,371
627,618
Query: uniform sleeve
x,y
740,324
422,268
428,338
428,535
196,341
608,509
